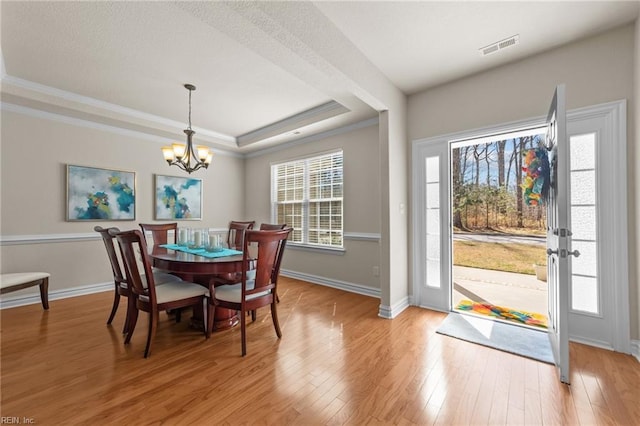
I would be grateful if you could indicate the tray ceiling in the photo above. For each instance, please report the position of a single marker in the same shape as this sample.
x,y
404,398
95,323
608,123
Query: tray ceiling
x,y
265,72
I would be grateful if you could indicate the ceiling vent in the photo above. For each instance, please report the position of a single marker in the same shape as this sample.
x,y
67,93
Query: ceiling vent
x,y
500,45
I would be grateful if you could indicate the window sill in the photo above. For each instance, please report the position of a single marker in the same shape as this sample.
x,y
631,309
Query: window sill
x,y
318,249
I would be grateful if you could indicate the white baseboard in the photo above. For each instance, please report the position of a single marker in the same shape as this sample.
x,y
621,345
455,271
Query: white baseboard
x,y
328,282
635,349
390,312
30,299
591,342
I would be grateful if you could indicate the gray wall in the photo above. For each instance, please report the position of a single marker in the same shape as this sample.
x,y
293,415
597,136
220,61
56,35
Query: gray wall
x,y
361,205
35,152
596,70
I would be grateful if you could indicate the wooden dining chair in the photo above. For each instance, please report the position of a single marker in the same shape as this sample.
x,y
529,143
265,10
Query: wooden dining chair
x,y
119,280
266,227
160,232
152,298
235,241
251,294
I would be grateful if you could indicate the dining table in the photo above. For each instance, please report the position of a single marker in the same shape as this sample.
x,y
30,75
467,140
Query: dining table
x,y
203,270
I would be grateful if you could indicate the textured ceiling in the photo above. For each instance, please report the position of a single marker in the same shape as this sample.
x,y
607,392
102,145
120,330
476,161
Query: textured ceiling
x,y
423,44
265,72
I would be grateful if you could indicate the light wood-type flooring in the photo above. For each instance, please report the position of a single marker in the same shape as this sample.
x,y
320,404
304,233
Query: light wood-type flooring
x,y
337,363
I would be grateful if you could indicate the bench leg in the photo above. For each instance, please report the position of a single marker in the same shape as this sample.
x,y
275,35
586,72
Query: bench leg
x,y
44,293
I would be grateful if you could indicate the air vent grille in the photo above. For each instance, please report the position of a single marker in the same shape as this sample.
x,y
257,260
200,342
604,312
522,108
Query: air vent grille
x,y
502,44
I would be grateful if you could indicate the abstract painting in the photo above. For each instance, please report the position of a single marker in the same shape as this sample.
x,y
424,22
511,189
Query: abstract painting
x,y
100,194
178,198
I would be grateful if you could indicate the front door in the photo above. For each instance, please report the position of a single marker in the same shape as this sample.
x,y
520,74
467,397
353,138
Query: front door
x,y
597,294
558,233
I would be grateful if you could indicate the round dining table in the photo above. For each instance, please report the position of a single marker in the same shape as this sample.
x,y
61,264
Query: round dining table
x,y
202,270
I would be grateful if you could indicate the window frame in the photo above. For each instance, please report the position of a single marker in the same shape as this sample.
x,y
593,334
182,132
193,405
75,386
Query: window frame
x,y
306,162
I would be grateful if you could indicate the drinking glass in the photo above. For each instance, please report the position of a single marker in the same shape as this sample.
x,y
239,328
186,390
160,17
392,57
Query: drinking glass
x,y
183,237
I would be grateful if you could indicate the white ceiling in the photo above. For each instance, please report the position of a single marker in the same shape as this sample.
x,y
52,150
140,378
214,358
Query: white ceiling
x,y
265,72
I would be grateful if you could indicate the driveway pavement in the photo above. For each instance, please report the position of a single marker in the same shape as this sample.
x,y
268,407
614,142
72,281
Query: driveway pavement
x,y
519,291
498,238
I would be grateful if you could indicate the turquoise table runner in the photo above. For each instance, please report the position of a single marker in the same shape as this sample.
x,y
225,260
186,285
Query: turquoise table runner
x,y
202,252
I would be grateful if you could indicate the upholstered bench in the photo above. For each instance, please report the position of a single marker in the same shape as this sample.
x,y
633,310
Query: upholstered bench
x,y
20,280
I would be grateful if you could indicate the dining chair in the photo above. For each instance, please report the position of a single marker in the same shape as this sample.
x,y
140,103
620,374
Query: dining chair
x,y
251,294
119,280
152,298
235,241
160,232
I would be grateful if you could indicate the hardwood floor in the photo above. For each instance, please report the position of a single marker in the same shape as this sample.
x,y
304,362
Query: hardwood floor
x,y
337,363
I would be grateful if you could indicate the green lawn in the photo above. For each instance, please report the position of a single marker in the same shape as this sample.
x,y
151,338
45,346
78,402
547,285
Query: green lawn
x,y
509,257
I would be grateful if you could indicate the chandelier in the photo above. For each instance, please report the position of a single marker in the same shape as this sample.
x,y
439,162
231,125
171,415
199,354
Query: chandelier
x,y
183,156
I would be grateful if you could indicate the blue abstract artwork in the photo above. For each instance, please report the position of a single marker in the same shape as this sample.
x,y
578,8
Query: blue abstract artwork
x,y
178,198
100,194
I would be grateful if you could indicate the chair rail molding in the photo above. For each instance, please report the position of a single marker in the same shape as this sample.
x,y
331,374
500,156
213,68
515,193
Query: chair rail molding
x,y
362,236
10,240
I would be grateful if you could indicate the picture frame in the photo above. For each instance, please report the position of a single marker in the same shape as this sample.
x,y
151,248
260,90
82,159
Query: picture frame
x,y
95,193
177,198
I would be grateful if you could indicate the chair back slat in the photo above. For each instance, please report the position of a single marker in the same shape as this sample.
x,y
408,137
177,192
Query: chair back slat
x,y
272,226
160,232
282,245
132,244
270,246
107,239
237,230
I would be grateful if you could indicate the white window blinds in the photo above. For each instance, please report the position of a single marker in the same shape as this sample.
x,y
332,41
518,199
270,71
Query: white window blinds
x,y
307,195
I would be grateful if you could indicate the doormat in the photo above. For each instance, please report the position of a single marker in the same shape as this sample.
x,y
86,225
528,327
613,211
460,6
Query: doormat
x,y
500,312
521,341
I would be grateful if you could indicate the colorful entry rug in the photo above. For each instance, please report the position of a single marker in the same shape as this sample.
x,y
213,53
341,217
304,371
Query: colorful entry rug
x,y
503,313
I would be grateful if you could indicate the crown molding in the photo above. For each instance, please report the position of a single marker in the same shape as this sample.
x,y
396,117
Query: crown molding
x,y
318,136
78,122
310,116
61,98
41,101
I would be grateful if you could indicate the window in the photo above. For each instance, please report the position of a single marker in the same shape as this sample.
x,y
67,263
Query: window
x,y
584,219
432,217
306,194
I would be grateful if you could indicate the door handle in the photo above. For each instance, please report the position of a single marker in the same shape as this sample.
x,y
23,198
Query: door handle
x,y
564,253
